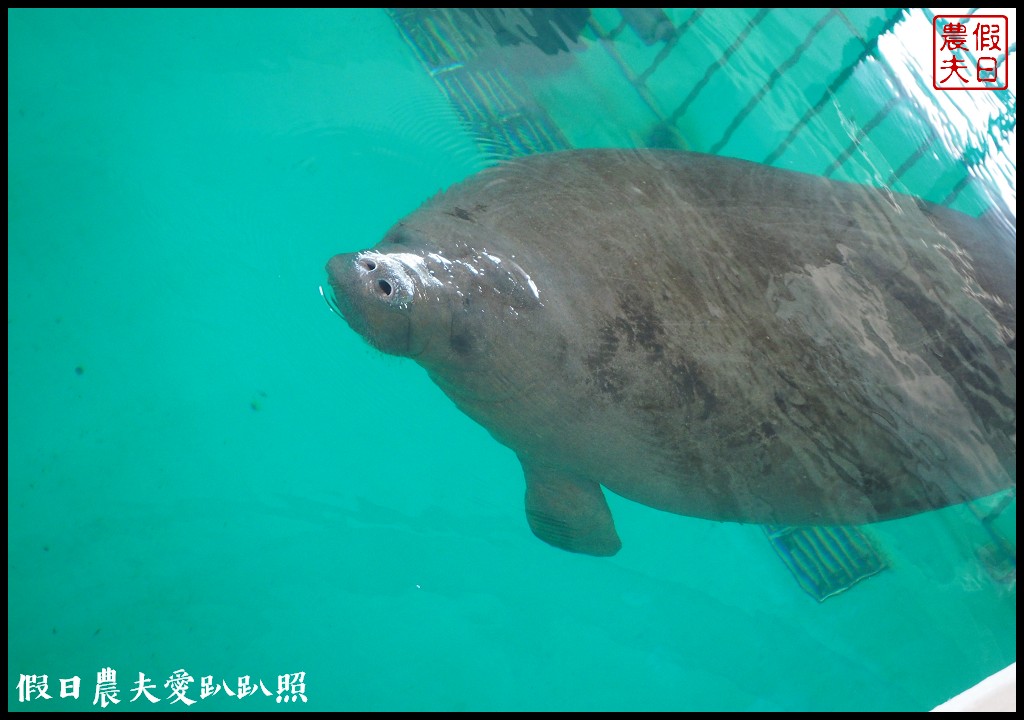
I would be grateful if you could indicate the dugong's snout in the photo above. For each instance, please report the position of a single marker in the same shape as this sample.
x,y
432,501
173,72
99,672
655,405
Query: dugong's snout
x,y
371,275
373,296
342,278
337,269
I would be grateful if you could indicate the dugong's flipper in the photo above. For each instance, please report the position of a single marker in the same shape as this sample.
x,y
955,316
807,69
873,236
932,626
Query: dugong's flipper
x,y
569,513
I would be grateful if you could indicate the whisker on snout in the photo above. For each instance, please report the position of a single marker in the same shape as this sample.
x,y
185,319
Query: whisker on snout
x,y
331,303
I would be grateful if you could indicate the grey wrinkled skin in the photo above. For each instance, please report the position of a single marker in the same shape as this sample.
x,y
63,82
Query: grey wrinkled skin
x,y
706,336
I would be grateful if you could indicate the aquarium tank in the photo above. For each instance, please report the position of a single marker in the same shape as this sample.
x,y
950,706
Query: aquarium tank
x,y
221,497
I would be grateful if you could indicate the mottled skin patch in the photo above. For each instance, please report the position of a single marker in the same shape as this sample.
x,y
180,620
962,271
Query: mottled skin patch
x,y
708,337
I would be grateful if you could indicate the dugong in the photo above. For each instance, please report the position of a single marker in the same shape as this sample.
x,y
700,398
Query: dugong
x,y
706,336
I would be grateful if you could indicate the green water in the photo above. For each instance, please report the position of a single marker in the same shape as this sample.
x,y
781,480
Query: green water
x,y
209,471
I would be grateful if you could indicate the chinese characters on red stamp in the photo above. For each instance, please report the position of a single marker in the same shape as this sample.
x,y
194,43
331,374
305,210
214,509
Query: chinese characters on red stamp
x,y
969,52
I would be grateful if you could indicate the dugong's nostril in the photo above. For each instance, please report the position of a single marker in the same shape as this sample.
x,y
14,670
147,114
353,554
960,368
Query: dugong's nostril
x,y
385,287
368,264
